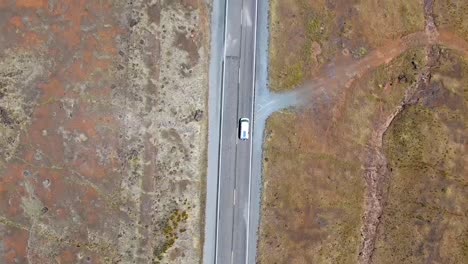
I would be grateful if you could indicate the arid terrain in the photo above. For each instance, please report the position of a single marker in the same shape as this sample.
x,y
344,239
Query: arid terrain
x,y
373,168
102,130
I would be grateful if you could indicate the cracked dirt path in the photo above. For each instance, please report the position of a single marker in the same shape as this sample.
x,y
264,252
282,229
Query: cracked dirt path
x,y
376,172
376,169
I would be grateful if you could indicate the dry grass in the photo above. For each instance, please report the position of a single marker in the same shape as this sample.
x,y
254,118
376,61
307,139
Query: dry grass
x,y
305,35
314,187
314,159
380,21
425,217
452,15
312,202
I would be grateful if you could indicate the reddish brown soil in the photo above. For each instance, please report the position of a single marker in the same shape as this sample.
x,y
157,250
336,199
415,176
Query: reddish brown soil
x,y
84,172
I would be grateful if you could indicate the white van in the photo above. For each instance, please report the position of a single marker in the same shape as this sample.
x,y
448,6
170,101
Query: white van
x,y
244,128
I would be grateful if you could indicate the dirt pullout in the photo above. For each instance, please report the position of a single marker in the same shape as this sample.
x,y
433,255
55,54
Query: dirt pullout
x,y
99,161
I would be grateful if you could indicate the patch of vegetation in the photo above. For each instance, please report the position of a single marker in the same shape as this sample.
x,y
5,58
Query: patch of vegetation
x,y
452,72
402,71
171,230
295,25
319,27
417,140
452,15
17,71
424,195
313,196
315,28
310,33
385,20
294,75
360,52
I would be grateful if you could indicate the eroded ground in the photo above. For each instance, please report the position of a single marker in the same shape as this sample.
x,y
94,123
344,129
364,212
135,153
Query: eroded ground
x,y
373,169
102,130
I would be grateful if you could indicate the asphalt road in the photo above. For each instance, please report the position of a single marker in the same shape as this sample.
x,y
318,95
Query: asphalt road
x,y
237,101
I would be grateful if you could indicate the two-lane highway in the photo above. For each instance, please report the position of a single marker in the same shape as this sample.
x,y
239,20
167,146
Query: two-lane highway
x,y
244,149
234,161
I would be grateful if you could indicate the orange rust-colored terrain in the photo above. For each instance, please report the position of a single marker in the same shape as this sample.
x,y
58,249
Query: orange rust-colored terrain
x,y
99,161
373,168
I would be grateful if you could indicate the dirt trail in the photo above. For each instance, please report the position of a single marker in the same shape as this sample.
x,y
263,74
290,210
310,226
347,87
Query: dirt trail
x,y
377,174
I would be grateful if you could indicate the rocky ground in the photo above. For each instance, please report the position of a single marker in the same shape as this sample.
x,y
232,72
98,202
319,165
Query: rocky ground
x,y
372,169
102,130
